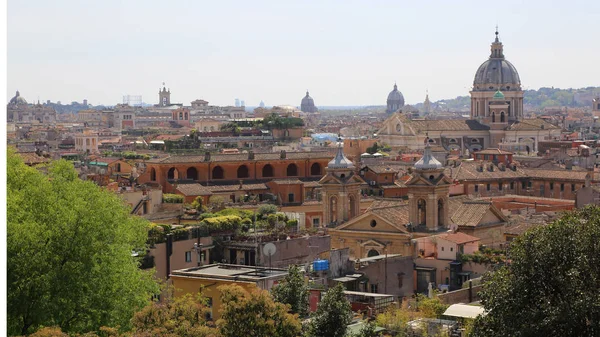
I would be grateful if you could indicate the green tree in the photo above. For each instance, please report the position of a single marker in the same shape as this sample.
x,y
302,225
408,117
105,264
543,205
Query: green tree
x,y
550,287
367,330
266,209
293,291
333,314
254,313
430,307
69,247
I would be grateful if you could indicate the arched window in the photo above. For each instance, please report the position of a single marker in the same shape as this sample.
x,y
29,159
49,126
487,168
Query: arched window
x,y
292,170
352,208
173,173
502,116
315,169
267,171
286,133
242,172
181,115
218,173
372,253
441,213
192,173
493,117
422,212
152,174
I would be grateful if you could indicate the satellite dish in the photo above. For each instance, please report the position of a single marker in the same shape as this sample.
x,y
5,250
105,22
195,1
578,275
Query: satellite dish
x,y
269,249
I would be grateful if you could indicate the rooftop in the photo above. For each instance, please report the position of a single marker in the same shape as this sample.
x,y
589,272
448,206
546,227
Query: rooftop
x,y
231,272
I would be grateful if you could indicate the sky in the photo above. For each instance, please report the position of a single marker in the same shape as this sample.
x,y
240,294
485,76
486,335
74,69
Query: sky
x,y
344,52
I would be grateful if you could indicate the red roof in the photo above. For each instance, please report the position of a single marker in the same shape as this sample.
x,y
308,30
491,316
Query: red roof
x,y
459,238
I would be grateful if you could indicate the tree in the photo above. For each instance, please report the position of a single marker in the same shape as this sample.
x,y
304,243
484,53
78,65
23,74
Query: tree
x,y
367,330
293,291
550,287
266,209
254,313
333,314
175,316
430,307
69,247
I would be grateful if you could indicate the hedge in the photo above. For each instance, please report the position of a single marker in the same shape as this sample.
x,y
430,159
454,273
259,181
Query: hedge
x,y
222,223
172,198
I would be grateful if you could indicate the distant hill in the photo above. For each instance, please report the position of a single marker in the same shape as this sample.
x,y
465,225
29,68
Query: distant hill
x,y
533,99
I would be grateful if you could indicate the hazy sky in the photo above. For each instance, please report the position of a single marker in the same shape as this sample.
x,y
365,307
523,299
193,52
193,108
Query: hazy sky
x,y
344,52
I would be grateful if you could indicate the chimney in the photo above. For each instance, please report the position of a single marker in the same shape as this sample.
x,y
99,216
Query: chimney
x,y
282,154
207,156
250,155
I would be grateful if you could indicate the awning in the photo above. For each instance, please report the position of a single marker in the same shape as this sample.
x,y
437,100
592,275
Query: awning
x,y
463,310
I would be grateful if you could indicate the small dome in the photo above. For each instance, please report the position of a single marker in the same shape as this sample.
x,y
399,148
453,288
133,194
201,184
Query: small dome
x,y
498,95
17,100
396,96
340,161
428,161
308,104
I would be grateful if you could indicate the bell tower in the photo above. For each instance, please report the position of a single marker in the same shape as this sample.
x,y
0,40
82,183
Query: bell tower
x,y
341,190
164,96
428,194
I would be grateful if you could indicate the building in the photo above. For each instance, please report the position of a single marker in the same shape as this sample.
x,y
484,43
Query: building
x,y
19,111
86,142
427,104
164,97
208,279
308,104
496,117
395,100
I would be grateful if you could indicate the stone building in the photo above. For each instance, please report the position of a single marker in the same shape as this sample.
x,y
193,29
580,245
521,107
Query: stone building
x,y
19,111
308,104
395,100
164,97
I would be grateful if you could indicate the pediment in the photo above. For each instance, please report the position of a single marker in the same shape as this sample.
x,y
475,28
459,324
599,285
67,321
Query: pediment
x,y
363,223
419,180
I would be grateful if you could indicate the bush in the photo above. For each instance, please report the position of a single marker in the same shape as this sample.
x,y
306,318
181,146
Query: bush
x,y
222,223
292,223
242,213
246,221
172,198
181,234
266,209
207,215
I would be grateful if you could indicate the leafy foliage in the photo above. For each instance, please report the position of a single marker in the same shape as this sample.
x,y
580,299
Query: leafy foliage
x,y
222,223
430,307
332,316
69,247
254,313
266,209
274,121
552,280
172,198
293,291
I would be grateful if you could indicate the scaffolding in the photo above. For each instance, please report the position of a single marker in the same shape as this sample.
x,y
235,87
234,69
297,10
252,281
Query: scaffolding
x,y
132,100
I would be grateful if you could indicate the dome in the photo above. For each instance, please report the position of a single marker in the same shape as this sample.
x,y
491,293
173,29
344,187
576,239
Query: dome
x,y
395,96
17,100
340,161
428,161
308,104
498,95
497,73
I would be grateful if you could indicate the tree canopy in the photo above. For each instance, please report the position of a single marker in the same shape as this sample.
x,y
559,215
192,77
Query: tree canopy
x,y
69,252
254,313
293,291
550,287
332,316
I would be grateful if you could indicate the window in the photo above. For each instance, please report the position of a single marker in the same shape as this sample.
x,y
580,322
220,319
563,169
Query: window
x,y
512,185
291,197
188,256
562,187
500,186
572,187
316,222
529,184
488,187
374,288
476,188
551,186
451,249
442,249
523,186
373,223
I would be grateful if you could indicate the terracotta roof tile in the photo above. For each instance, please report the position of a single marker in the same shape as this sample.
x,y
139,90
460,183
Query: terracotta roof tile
x,y
470,213
458,238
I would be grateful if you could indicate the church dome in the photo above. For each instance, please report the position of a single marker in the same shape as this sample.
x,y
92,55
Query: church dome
x,y
428,161
395,100
497,73
498,95
17,100
308,104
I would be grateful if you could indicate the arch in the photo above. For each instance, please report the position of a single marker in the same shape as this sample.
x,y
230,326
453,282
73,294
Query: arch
x,y
192,173
243,172
218,172
152,174
333,209
352,208
173,173
372,252
181,115
494,117
292,170
315,169
267,171
441,222
422,212
502,116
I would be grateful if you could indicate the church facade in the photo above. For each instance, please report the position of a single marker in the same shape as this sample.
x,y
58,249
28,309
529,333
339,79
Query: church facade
x,y
496,116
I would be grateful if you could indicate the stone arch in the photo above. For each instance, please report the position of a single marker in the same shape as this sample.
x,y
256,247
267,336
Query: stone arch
x,y
192,173
173,173
315,169
292,170
152,174
440,206
267,171
218,172
421,212
372,252
243,172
